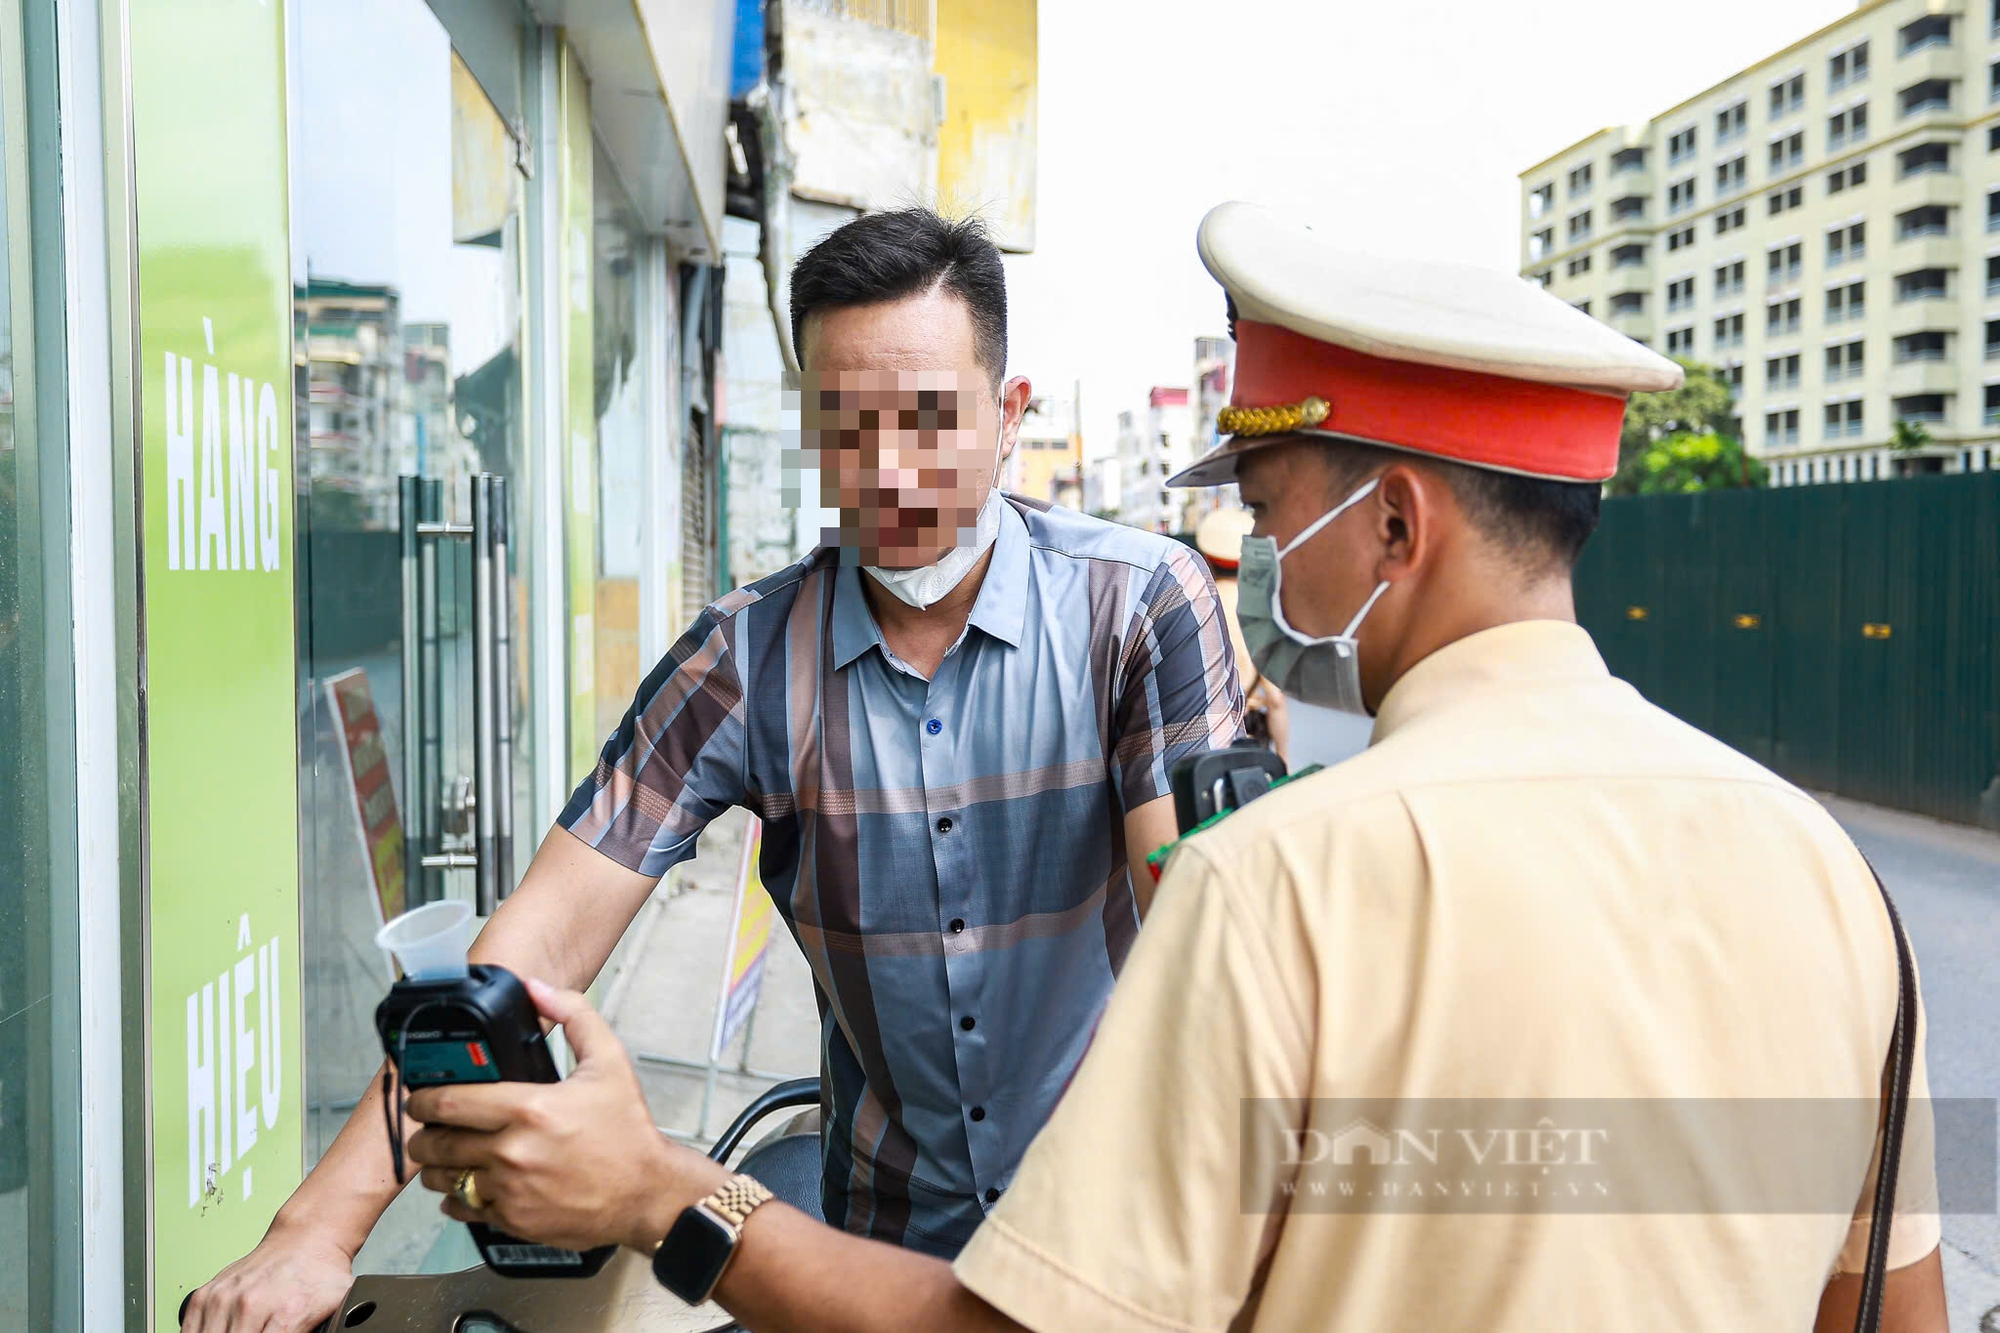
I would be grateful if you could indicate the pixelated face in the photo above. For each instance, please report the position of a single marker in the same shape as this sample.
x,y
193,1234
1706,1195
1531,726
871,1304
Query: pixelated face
x,y
906,456
903,426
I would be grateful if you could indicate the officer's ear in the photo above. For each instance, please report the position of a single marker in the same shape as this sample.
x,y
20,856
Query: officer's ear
x,y
1409,507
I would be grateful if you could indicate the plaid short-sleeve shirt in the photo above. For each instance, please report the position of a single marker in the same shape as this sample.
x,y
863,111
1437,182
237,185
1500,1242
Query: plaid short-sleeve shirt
x,y
948,853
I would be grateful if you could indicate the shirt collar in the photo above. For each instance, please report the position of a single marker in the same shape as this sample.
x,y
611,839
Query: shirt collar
x,y
1513,654
1001,609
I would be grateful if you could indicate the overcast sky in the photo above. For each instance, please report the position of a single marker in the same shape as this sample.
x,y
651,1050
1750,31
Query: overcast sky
x,y
1395,126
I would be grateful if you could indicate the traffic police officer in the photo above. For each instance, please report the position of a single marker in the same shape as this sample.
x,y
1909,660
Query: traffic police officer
x,y
1219,537
1533,888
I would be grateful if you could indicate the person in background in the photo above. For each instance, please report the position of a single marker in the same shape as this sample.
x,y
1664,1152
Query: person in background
x,y
1536,904
1219,537
955,718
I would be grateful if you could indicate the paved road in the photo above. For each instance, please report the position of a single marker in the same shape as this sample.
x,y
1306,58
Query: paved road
x,y
1946,883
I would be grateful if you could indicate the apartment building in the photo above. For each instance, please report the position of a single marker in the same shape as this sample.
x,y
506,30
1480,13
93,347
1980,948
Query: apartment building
x,y
1823,226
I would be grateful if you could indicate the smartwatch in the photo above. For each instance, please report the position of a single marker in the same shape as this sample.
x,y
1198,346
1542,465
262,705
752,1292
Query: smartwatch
x,y
693,1257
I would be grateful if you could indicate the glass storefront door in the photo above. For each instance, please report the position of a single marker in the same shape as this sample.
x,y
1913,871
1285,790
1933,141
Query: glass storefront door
x,y
408,237
39,1285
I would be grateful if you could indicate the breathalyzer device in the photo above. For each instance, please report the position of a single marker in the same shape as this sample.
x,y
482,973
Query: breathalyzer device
x,y
446,1021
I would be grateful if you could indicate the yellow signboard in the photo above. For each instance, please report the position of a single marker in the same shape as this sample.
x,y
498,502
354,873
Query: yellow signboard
x,y
749,944
987,57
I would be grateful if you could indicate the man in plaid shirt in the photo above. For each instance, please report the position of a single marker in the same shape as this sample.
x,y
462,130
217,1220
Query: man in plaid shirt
x,y
956,720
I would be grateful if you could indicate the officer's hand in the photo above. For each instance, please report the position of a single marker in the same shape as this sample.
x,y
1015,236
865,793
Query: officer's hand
x,y
290,1283
575,1164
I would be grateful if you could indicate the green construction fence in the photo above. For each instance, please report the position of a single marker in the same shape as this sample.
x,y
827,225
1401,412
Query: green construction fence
x,y
1843,635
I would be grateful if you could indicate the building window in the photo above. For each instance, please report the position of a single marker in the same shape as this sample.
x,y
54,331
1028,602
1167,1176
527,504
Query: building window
x,y
1846,243
1680,239
1579,265
1993,139
1921,99
1732,375
1931,30
1926,407
1993,404
1680,293
1732,122
1728,221
1782,200
1844,127
1729,279
1541,199
1781,428
1782,372
1844,361
1584,306
1922,158
1925,284
1789,151
1680,196
1929,346
1729,331
1579,180
1993,340
1993,275
1628,303
1629,209
1993,82
1627,256
1732,175
1541,243
1845,67
1849,302
1628,159
1785,262
1782,317
1681,146
1843,420
1788,96
1544,278
1919,223
1680,342
1579,225
1856,174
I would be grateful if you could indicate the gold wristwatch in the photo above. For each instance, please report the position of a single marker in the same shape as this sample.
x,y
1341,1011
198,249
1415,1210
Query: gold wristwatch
x,y
693,1257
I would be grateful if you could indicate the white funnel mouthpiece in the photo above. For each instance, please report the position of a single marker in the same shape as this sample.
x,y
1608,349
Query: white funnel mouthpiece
x,y
429,942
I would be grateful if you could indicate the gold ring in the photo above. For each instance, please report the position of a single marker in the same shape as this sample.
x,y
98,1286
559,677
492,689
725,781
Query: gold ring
x,y
466,1191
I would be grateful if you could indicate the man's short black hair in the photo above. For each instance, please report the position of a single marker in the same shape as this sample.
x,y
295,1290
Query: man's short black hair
x,y
889,256
1541,524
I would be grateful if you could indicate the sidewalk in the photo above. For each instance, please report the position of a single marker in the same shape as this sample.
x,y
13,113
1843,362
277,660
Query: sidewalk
x,y
663,1002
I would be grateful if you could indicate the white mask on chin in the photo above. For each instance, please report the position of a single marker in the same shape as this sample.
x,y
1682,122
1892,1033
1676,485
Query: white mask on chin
x,y
927,585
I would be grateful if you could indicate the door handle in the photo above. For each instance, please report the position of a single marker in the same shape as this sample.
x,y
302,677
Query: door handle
x,y
487,798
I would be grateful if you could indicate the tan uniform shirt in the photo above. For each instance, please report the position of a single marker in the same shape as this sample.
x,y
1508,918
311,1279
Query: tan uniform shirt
x,y
1533,885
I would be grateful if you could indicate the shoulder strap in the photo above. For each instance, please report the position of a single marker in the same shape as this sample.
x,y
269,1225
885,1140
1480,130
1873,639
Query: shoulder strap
x,y
1896,1096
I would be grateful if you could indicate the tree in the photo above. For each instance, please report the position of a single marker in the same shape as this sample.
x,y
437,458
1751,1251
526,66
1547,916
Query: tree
x,y
1683,462
1909,436
1703,405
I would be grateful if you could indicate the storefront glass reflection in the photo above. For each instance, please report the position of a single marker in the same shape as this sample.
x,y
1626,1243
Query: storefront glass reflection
x,y
28,1094
408,313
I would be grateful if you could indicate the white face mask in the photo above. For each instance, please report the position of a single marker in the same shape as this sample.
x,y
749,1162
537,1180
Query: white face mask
x,y
1324,671
927,585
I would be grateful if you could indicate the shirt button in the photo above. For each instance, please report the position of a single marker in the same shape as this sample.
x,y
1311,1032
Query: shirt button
x,y
978,1113
944,824
957,924
968,1022
992,1196
933,726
